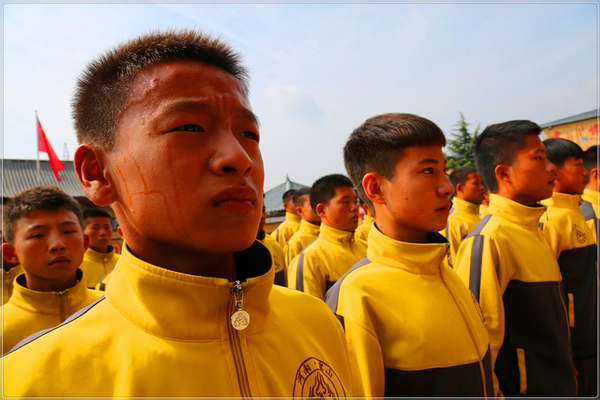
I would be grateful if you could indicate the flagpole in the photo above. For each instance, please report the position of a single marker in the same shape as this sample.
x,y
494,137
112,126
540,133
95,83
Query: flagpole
x,y
37,135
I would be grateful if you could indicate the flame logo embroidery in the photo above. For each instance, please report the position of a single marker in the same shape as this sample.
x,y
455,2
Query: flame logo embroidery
x,y
320,389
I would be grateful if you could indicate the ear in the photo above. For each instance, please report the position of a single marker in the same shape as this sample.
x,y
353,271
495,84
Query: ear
x,y
459,187
94,178
8,252
503,173
594,173
86,242
372,184
322,210
300,211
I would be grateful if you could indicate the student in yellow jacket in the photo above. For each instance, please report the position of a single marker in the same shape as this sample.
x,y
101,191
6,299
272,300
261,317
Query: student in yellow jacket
x,y
275,250
362,232
287,228
309,226
335,250
191,309
412,326
573,244
463,214
589,205
100,258
511,269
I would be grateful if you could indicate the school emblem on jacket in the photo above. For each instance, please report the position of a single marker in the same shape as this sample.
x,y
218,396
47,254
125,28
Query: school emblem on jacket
x,y
316,379
579,234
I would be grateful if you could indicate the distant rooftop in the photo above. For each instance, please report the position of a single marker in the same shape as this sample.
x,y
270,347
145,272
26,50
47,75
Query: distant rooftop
x,y
574,118
273,202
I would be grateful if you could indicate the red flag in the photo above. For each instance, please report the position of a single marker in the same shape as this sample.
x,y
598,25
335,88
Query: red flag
x,y
44,147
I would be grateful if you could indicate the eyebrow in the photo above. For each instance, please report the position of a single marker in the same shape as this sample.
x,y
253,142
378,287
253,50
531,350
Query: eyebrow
x,y
429,161
202,104
40,226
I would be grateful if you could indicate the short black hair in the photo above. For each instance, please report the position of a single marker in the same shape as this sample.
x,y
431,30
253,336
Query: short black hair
x,y
45,198
499,144
95,212
323,190
461,175
590,158
288,195
377,145
299,196
559,150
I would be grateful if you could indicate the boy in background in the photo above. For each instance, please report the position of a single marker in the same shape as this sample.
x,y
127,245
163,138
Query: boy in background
x,y
287,228
574,246
309,226
463,214
335,250
44,235
275,250
589,207
168,138
412,327
100,258
362,232
509,266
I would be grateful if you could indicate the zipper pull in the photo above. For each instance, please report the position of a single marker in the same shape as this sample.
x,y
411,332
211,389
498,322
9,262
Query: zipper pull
x,y
240,318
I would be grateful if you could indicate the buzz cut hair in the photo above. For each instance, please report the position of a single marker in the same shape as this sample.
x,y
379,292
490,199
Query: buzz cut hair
x,y
461,175
499,144
101,92
95,212
39,198
300,196
324,188
559,150
378,144
590,158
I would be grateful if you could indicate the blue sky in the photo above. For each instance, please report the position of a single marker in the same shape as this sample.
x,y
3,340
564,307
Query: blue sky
x,y
319,70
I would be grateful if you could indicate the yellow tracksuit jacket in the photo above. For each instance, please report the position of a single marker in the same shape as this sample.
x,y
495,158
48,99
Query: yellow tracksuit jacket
x,y
589,209
362,232
167,334
324,261
483,211
306,234
462,220
574,246
277,256
96,265
29,311
412,326
286,229
8,281
509,266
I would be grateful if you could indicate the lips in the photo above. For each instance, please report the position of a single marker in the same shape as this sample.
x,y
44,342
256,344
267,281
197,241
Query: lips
x,y
241,198
59,260
445,207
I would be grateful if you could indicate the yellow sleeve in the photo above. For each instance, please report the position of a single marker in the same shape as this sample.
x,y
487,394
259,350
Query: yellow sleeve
x,y
456,232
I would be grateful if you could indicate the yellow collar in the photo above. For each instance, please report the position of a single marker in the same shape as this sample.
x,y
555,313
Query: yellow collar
x,y
563,200
417,258
336,236
99,257
186,307
310,228
463,205
292,217
590,196
515,212
368,220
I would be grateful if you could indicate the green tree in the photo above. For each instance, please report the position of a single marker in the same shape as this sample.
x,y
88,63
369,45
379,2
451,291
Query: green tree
x,y
462,146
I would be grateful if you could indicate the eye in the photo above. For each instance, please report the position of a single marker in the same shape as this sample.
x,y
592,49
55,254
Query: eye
x,y
446,171
37,236
188,128
249,135
428,171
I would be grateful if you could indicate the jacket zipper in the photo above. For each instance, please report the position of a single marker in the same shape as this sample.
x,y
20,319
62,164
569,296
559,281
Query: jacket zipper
x,y
234,338
62,310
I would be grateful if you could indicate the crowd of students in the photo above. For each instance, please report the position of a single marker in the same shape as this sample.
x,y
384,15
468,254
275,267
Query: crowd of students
x,y
485,294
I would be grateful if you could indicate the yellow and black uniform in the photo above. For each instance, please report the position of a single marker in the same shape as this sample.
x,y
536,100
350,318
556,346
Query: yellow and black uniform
x,y
573,244
483,211
286,229
412,326
162,333
306,234
509,266
277,256
324,261
589,209
8,281
96,265
462,220
29,311
362,232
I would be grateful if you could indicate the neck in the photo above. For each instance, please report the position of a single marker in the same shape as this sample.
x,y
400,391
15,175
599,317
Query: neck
x,y
46,285
100,249
392,229
516,197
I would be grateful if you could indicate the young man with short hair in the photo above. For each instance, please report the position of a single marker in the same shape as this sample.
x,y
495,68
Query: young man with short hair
x,y
100,258
574,246
412,327
589,206
463,214
44,235
335,250
291,225
309,226
168,138
511,269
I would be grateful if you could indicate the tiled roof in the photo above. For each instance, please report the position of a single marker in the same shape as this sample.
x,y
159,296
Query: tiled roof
x,y
19,175
574,118
273,202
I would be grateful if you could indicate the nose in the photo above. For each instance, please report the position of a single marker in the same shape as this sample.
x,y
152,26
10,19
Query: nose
x,y
446,188
55,242
231,156
550,167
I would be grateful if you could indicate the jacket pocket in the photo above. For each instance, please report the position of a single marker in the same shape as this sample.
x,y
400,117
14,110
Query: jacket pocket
x,y
571,310
522,371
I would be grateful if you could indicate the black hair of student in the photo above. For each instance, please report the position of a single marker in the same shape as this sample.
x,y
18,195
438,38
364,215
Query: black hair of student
x,y
288,195
559,150
95,212
39,198
299,196
378,144
461,175
323,190
499,144
590,158
102,91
